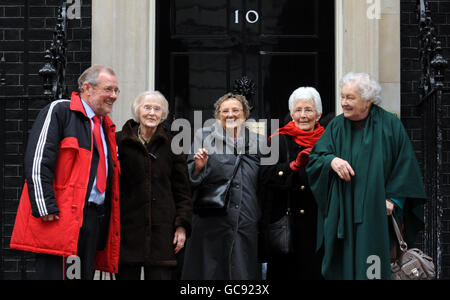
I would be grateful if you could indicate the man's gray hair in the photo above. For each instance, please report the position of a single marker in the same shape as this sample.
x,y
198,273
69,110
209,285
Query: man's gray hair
x,y
368,87
305,93
149,94
90,75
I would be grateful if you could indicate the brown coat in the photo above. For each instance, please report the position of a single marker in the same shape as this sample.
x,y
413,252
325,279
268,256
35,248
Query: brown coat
x,y
155,197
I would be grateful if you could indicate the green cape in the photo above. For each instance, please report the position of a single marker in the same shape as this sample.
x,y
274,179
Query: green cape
x,y
352,223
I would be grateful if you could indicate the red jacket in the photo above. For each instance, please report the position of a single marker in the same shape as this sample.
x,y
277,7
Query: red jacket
x,y
57,168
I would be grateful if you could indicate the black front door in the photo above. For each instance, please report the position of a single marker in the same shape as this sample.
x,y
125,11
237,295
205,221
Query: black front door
x,y
203,46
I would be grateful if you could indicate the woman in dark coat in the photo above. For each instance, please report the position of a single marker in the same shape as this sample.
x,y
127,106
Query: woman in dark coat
x,y
155,198
287,191
224,247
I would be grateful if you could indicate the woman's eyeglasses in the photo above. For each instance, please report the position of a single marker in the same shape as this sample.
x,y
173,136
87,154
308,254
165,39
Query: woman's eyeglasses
x,y
307,111
234,112
149,108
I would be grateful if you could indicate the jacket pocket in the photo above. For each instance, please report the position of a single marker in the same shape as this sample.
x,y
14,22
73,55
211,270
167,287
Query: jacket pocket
x,y
58,237
67,163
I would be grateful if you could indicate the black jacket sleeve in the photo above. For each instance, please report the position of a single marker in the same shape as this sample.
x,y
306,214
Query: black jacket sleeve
x,y
181,190
40,158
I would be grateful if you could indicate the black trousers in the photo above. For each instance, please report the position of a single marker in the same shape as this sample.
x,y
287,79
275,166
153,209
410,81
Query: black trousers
x,y
133,272
52,267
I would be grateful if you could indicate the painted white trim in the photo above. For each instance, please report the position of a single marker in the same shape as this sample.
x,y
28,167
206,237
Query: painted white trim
x,y
339,51
120,40
151,72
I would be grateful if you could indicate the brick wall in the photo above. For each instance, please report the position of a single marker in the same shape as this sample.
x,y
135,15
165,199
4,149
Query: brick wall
x,y
26,31
412,114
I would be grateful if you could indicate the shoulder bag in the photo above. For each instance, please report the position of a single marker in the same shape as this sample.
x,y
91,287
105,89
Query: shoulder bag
x,y
280,234
211,199
413,264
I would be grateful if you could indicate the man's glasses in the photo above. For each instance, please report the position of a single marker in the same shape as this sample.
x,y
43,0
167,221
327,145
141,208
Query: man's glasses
x,y
110,90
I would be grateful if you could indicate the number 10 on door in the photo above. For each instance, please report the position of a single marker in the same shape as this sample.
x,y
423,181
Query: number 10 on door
x,y
251,16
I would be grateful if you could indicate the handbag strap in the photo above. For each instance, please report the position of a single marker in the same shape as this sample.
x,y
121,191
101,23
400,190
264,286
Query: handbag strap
x,y
236,166
401,241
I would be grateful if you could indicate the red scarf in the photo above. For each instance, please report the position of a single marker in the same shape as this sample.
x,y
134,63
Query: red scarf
x,y
303,138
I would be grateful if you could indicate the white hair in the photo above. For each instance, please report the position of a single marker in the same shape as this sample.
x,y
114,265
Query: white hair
x,y
305,93
149,94
368,87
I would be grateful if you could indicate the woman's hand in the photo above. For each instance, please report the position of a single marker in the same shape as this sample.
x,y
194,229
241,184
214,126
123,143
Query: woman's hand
x,y
179,239
301,161
389,207
200,159
342,168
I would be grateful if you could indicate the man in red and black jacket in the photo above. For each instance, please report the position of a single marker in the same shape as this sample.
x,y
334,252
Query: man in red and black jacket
x,y
70,201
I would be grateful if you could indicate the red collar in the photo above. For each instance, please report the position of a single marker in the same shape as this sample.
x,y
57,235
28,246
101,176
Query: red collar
x,y
77,105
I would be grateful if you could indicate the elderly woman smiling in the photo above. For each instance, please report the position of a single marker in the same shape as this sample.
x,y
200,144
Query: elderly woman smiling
x,y
155,202
287,191
362,170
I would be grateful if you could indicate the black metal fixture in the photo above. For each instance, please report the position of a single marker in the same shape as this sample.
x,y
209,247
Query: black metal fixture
x,y
246,87
54,70
48,73
2,72
431,89
432,62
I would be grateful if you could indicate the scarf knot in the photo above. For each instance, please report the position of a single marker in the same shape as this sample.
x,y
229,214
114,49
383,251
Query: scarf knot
x,y
303,138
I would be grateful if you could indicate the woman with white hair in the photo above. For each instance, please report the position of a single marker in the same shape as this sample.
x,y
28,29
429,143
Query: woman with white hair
x,y
155,197
361,171
288,198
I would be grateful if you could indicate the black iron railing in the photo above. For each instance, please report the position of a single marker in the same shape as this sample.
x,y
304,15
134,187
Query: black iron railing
x,y
432,89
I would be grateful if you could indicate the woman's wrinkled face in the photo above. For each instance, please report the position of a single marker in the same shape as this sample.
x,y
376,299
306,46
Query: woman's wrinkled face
x,y
231,113
354,107
150,112
305,115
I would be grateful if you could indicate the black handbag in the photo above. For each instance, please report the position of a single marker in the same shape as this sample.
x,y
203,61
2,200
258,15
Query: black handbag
x,y
412,264
280,235
280,232
211,199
